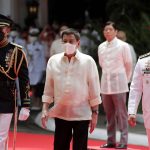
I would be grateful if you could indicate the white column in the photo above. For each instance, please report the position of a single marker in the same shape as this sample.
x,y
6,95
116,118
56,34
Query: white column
x,y
16,9
5,6
43,13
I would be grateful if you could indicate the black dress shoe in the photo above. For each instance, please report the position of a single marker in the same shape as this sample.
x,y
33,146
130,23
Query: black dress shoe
x,y
108,146
121,146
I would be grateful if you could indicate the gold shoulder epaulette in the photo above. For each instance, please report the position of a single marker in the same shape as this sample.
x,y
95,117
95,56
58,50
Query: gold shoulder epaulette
x,y
19,46
145,55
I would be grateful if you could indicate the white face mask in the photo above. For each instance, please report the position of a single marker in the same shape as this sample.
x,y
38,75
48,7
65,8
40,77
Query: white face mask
x,y
32,39
69,48
14,34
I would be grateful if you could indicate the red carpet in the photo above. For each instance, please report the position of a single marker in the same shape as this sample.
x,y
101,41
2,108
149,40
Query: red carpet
x,y
28,141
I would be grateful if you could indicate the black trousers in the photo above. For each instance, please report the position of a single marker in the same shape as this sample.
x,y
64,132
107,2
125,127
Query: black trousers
x,y
65,131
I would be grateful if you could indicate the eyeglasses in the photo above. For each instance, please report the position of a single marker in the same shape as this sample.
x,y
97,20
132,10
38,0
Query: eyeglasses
x,y
108,30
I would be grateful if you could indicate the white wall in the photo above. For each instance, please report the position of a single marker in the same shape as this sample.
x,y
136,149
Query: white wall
x,y
17,10
43,13
5,7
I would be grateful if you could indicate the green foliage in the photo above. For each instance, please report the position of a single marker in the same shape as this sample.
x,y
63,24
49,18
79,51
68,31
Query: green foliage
x,y
138,33
132,17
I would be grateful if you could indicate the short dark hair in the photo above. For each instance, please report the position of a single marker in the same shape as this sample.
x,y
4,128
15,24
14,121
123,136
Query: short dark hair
x,y
71,31
111,23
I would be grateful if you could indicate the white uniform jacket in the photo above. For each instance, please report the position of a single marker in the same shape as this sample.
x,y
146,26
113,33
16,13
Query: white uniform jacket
x,y
140,86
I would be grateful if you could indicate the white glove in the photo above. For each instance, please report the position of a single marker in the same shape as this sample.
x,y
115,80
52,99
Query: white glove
x,y
24,114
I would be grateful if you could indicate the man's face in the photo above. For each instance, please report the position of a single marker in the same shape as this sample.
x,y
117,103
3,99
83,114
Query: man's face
x,y
109,32
70,44
5,30
70,38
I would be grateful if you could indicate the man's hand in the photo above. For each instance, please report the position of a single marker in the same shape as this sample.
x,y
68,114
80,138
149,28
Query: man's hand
x,y
132,120
44,118
24,114
93,122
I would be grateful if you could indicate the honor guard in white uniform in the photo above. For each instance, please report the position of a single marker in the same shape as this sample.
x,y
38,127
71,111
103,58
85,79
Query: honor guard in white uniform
x,y
140,89
37,66
13,65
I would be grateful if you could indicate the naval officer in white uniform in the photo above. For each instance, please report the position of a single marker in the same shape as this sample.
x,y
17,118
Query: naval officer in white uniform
x,y
140,89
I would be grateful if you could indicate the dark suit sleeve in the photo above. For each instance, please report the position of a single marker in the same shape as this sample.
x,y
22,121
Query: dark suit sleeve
x,y
22,73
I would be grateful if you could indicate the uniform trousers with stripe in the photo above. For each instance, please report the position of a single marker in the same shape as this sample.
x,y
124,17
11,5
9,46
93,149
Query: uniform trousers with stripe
x,y
117,117
65,131
5,120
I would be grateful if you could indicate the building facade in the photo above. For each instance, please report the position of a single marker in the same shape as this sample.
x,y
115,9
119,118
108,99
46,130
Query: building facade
x,y
18,11
49,11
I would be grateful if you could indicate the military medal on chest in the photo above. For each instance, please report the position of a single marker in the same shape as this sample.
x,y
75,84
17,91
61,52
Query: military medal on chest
x,y
146,71
8,59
